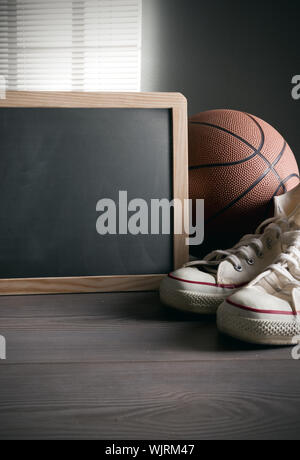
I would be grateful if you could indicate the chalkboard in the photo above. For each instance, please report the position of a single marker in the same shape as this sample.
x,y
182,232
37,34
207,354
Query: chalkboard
x,y
57,161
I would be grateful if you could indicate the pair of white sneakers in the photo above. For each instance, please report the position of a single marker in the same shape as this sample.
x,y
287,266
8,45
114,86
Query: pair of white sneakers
x,y
254,287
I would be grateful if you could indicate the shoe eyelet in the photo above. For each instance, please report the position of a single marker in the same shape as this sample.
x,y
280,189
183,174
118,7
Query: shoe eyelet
x,y
269,244
250,261
238,268
260,255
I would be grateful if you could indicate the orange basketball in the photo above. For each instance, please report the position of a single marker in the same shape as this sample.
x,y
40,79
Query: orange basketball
x,y
238,163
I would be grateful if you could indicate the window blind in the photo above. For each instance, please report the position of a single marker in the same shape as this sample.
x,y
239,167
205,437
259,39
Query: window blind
x,y
65,45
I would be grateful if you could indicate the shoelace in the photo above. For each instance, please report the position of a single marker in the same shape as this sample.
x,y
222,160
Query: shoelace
x,y
246,248
288,264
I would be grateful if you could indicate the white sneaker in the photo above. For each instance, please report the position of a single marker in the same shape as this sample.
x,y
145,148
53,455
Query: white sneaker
x,y
267,311
201,286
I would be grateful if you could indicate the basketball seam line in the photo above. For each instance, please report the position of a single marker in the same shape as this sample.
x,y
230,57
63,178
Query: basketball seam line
x,y
260,179
262,156
285,181
281,183
235,163
271,167
290,177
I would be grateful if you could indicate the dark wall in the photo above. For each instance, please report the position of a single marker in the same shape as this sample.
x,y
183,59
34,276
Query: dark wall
x,y
226,54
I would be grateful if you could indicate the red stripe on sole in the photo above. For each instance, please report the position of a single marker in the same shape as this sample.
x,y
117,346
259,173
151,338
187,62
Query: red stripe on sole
x,y
267,312
223,286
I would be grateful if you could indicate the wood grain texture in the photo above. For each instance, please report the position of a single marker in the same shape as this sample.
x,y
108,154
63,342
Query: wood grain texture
x,y
151,401
122,367
181,185
79,285
113,328
93,100
175,101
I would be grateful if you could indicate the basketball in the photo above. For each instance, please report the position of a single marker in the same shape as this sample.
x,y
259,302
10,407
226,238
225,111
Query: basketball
x,y
238,163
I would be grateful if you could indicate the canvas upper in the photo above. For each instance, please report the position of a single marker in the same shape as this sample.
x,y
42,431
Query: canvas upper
x,y
201,286
268,309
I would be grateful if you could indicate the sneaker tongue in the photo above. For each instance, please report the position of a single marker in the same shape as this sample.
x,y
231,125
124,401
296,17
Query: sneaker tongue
x,y
285,204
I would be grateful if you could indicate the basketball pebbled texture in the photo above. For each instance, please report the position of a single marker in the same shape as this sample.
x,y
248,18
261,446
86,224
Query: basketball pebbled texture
x,y
238,163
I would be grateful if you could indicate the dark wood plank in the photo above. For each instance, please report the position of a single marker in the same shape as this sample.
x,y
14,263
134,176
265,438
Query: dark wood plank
x,y
121,366
114,328
119,306
227,400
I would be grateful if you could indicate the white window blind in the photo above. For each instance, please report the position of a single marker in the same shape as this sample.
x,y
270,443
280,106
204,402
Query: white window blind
x,y
65,45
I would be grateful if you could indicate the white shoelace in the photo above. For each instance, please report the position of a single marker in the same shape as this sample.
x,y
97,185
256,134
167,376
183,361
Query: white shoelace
x,y
247,248
288,264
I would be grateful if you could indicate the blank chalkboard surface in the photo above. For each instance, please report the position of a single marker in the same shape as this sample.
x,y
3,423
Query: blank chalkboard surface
x,y
57,161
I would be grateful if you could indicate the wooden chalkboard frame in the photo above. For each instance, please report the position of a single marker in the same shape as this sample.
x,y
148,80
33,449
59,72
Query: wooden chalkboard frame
x,y
173,101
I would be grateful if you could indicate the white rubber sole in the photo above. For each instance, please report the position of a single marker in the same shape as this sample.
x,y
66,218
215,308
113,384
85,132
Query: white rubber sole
x,y
256,331
190,301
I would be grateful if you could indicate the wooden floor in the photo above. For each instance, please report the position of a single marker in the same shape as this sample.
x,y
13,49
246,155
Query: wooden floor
x,y
120,366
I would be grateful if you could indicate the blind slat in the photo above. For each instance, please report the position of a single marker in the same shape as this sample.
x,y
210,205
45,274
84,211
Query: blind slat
x,y
92,45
